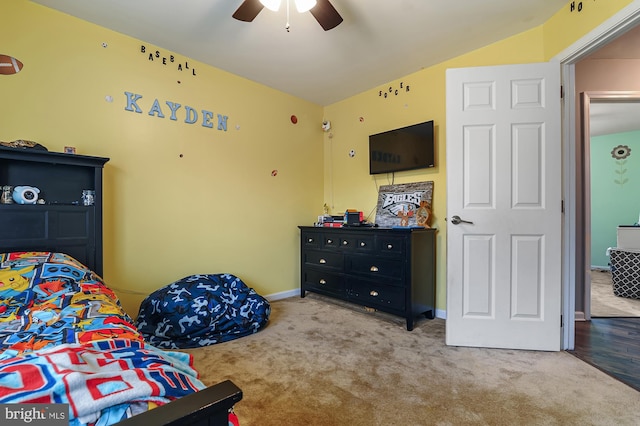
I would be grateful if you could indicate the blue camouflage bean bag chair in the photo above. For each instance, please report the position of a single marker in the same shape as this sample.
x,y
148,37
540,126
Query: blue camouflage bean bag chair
x,y
200,310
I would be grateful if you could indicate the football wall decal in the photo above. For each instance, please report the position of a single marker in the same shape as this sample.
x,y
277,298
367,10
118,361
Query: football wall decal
x,y
9,65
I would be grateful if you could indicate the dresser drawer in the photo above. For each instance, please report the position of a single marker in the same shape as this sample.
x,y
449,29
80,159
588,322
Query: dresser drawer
x,y
377,295
323,281
311,240
330,241
376,267
324,259
348,242
389,245
365,243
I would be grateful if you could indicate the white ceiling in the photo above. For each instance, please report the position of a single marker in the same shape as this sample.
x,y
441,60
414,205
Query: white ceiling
x,y
613,117
378,41
616,116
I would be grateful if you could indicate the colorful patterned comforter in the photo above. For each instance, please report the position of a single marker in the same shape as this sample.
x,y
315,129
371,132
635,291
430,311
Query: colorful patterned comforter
x,y
64,338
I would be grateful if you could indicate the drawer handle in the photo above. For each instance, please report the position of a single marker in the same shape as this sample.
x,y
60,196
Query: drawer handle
x,y
389,246
362,244
345,243
310,240
323,261
374,269
373,293
323,282
329,241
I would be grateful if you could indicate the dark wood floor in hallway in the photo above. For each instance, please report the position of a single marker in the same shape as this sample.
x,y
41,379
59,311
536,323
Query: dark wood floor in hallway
x,y
611,345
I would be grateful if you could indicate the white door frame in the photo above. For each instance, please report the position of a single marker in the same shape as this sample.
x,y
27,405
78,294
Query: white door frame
x,y
573,259
586,99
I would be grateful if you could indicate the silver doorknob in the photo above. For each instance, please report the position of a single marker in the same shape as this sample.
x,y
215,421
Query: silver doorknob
x,y
456,220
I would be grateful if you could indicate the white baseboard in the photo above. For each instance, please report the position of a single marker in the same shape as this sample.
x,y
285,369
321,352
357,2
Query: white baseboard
x,y
283,295
580,316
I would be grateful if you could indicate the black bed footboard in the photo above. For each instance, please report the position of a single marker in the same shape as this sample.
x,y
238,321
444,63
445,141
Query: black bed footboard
x,y
208,407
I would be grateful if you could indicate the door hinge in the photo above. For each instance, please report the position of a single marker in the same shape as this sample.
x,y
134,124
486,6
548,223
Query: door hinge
x,y
561,323
561,92
562,206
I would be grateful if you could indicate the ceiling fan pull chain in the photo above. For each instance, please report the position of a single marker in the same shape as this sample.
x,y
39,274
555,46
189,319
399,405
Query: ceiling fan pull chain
x,y
287,26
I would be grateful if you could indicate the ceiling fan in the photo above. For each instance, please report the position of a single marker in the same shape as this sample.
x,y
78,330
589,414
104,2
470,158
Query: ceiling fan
x,y
324,12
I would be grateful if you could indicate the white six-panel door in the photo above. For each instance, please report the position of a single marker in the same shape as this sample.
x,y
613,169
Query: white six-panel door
x,y
504,177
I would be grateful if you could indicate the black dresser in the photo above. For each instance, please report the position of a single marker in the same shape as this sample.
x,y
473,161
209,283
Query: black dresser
x,y
63,223
392,270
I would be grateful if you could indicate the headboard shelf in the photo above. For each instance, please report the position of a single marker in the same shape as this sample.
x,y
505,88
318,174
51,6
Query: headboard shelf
x,y
62,223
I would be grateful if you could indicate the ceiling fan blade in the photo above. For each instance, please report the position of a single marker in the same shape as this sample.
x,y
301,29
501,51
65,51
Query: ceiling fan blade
x,y
326,15
248,10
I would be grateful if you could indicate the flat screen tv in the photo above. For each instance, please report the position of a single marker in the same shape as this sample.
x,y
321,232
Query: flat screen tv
x,y
407,148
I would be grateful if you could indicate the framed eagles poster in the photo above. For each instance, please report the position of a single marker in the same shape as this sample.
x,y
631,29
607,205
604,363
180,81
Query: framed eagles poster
x,y
405,205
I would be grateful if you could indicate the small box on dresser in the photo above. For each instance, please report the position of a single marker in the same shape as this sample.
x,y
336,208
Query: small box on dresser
x,y
391,270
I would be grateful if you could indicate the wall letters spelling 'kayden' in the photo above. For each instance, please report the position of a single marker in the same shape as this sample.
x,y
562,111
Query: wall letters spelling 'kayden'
x,y
190,114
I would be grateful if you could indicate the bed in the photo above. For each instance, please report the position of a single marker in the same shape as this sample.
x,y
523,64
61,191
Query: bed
x,y
65,339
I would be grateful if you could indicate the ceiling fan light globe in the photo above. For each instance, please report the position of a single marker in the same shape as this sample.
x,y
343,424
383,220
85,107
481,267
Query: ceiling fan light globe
x,y
271,4
304,5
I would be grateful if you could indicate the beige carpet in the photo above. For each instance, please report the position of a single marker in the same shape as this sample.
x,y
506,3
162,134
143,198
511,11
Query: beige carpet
x,y
322,363
606,304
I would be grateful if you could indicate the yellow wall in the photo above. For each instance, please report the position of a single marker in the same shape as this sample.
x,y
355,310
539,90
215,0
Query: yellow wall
x,y
568,26
217,208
